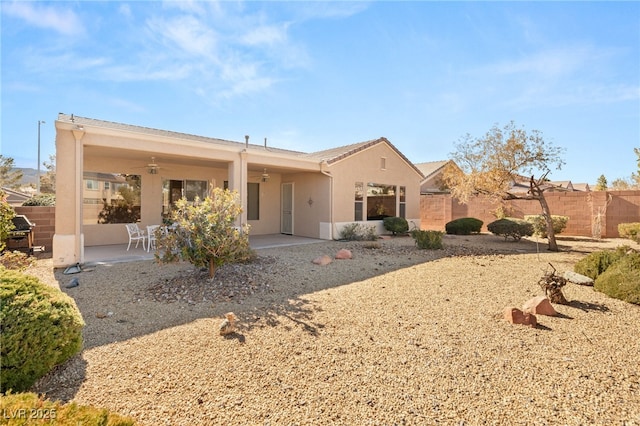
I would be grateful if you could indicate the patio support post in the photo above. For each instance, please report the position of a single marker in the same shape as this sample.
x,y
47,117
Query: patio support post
x,y
238,182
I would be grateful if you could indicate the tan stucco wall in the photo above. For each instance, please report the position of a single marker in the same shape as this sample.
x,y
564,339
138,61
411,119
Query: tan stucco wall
x,y
365,167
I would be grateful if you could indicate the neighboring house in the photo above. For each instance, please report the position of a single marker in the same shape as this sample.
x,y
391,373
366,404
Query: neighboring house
x,y
523,185
432,171
15,198
281,191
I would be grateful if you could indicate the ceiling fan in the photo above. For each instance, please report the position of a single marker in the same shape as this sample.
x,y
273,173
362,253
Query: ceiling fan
x,y
264,177
153,167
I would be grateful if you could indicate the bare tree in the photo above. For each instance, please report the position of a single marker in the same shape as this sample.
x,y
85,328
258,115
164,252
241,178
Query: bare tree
x,y
491,164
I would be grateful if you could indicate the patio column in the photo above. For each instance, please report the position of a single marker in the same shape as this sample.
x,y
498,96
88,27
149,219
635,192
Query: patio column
x,y
238,181
68,240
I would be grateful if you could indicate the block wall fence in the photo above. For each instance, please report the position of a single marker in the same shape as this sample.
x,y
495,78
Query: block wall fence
x,y
45,220
591,214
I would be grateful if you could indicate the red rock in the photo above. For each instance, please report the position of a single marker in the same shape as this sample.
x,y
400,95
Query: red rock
x,y
539,305
344,254
516,316
322,260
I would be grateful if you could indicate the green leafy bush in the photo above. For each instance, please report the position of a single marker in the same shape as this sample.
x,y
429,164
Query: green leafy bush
x,y
464,226
7,213
597,262
511,227
41,200
559,224
41,328
621,280
430,240
396,225
630,231
54,412
205,233
358,232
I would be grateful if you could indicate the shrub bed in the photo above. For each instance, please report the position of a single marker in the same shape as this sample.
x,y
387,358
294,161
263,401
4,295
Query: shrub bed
x,y
464,226
41,328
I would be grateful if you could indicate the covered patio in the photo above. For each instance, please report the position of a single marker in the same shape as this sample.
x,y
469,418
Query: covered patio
x,y
117,253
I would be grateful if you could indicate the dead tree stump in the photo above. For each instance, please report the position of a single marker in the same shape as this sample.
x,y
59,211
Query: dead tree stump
x,y
552,285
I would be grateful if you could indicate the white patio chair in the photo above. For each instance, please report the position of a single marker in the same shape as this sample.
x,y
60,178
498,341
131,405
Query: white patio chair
x,y
135,234
151,234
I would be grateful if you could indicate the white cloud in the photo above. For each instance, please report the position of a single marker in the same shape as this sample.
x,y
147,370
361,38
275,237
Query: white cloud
x,y
63,21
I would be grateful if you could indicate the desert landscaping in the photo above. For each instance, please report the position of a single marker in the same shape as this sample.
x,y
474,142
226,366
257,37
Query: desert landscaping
x,y
395,335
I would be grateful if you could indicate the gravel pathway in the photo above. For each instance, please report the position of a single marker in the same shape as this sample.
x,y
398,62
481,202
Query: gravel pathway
x,y
395,335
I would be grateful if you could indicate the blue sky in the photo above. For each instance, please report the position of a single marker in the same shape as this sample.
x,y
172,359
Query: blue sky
x,y
314,75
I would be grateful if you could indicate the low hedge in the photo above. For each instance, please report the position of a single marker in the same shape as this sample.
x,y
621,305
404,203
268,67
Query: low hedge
x,y
41,328
594,264
464,226
511,227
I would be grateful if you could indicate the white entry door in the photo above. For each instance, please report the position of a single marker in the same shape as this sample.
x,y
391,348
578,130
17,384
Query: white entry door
x,y
286,221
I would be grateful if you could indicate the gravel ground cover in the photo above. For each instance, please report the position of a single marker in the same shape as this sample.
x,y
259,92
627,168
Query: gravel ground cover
x,y
395,335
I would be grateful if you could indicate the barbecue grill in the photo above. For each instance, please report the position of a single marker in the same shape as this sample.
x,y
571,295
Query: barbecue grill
x,y
21,236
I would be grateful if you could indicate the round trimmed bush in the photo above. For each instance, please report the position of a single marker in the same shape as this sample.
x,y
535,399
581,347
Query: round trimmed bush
x,y
464,226
41,200
511,227
396,225
559,223
41,328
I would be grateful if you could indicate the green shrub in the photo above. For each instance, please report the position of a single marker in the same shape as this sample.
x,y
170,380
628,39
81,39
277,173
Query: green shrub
x,y
430,240
597,262
7,213
621,280
464,226
41,200
396,225
358,232
41,328
559,224
630,231
511,227
50,412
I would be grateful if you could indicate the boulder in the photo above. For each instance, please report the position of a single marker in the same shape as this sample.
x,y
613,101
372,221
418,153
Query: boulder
x,y
576,278
322,260
516,316
344,254
539,305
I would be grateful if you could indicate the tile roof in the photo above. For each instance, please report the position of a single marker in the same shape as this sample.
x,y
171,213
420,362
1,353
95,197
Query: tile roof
x,y
330,155
431,167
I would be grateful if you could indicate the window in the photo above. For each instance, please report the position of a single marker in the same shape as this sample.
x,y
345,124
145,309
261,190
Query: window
x,y
403,202
359,197
111,198
381,201
253,201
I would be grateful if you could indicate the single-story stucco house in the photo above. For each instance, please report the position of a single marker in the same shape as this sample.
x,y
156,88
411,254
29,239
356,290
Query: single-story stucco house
x,y
101,164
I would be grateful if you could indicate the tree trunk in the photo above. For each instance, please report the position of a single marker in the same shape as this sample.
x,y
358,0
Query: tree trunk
x,y
551,235
538,193
212,267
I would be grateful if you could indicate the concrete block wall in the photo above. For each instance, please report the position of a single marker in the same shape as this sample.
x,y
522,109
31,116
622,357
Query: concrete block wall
x,y
590,213
45,220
